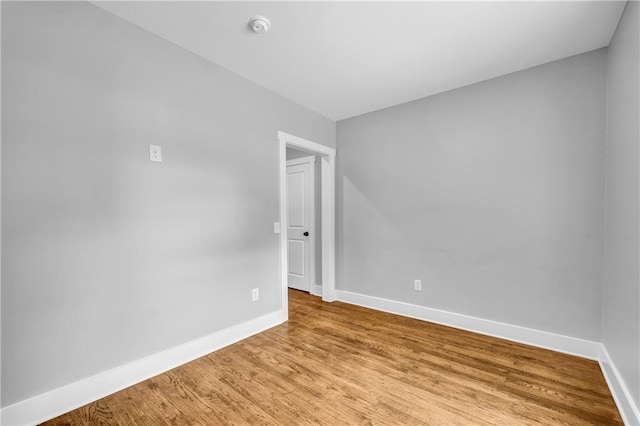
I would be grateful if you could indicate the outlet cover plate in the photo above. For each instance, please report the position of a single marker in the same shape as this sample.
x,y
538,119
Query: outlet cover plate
x,y
155,153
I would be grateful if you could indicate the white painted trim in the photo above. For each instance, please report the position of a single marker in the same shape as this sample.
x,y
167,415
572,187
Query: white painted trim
x,y
327,156
316,290
302,160
327,174
282,194
311,191
310,161
542,339
621,395
62,400
305,145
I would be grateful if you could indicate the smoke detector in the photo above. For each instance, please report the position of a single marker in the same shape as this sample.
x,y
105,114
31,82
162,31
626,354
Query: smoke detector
x,y
259,24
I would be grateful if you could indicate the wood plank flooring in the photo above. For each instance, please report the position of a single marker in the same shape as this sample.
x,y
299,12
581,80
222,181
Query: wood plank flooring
x,y
337,364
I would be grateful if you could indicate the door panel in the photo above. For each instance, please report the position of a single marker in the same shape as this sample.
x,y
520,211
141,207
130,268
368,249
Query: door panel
x,y
298,217
296,258
295,198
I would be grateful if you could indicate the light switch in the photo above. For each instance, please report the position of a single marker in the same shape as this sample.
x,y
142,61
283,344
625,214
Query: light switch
x,y
276,227
155,153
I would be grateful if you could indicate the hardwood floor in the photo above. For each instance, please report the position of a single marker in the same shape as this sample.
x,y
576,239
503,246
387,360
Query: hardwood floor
x,y
337,364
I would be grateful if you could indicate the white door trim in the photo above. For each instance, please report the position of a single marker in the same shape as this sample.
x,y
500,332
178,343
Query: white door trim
x,y
311,190
328,160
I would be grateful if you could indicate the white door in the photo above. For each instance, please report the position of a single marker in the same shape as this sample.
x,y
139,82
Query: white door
x,y
299,216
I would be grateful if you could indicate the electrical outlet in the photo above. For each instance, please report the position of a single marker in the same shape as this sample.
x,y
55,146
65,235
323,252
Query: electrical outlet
x,y
255,294
155,153
417,285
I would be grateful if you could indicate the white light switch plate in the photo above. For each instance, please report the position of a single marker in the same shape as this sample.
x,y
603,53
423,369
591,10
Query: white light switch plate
x,y
276,227
155,153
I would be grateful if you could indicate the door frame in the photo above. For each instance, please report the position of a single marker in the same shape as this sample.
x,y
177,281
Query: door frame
x,y
311,190
327,175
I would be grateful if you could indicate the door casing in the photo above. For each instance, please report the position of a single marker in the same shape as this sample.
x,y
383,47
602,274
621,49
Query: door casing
x,y
327,158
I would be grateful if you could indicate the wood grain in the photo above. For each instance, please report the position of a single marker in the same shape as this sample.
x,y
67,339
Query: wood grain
x,y
338,364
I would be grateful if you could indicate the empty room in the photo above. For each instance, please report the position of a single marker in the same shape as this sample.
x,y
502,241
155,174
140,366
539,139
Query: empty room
x,y
435,209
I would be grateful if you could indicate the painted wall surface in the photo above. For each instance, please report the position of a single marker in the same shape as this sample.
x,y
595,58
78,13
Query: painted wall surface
x,y
108,257
491,194
621,288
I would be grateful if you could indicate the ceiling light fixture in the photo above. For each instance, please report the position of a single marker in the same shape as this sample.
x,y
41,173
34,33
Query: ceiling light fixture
x,y
259,24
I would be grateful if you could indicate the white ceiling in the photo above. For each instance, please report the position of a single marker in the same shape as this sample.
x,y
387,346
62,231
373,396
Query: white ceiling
x,y
343,59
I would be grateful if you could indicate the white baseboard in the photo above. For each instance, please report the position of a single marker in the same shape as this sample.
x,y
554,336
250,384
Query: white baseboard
x,y
316,290
62,400
621,395
570,345
542,339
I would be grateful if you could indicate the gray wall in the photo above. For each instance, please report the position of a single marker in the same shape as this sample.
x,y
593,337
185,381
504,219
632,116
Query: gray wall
x,y
621,289
491,194
107,257
292,154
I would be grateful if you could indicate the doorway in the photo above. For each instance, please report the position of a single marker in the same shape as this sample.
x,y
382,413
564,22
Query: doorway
x,y
326,157
303,208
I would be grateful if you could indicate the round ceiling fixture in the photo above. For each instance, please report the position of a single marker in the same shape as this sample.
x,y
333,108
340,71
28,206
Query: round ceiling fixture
x,y
259,24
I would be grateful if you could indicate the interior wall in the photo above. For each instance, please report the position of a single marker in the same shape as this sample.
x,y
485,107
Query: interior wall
x,y
621,288
490,194
108,257
291,155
